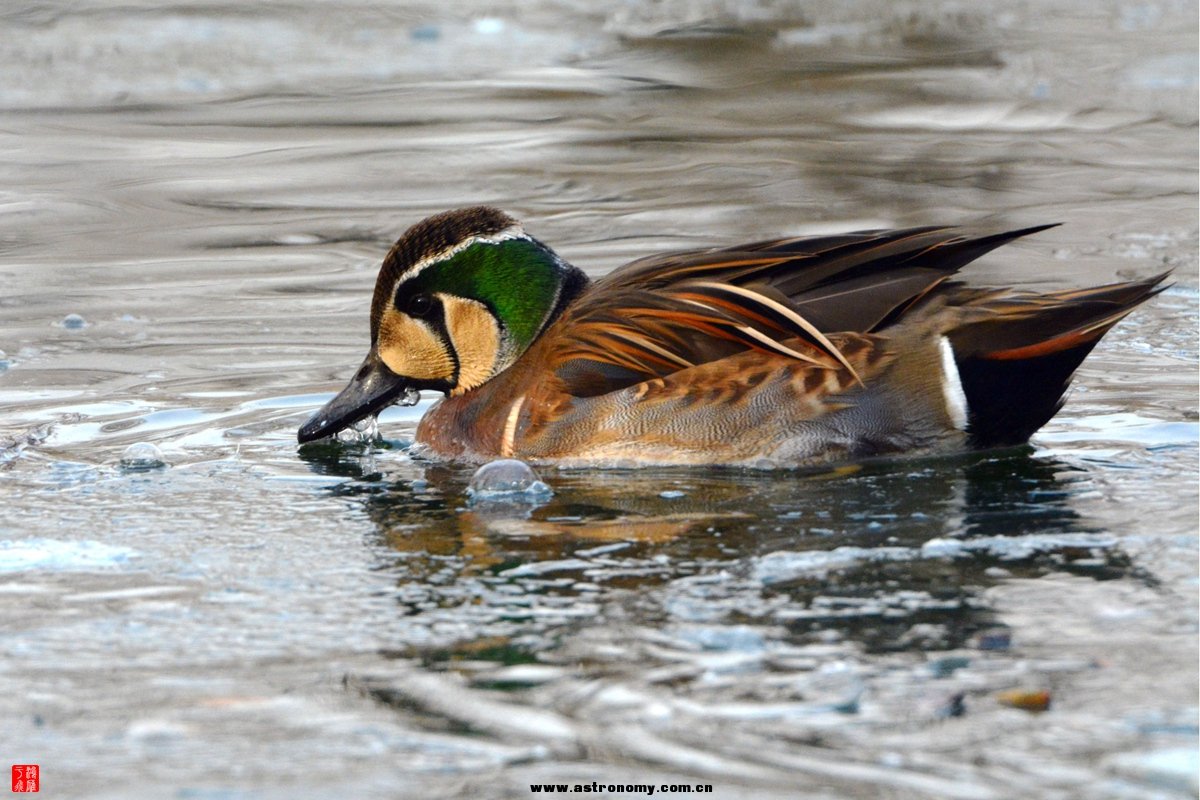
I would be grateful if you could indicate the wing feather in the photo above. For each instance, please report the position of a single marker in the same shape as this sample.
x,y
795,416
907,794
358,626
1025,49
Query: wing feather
x,y
658,315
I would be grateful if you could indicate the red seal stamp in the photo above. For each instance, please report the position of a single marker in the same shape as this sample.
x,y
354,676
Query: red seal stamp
x,y
26,778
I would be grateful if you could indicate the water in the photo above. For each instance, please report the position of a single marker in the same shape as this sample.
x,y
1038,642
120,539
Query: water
x,y
195,200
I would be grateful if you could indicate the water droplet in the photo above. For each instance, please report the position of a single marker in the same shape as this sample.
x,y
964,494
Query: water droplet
x,y
507,480
141,457
411,397
363,431
73,322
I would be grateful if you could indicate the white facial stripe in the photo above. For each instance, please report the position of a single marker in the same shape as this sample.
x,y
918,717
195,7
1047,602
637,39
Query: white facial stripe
x,y
511,232
952,388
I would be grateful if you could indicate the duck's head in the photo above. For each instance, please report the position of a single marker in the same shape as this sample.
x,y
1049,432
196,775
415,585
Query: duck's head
x,y
460,296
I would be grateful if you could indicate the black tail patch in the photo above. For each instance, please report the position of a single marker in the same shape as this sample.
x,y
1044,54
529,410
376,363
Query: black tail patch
x,y
1015,363
1008,400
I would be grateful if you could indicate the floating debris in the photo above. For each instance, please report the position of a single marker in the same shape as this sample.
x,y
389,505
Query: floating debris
x,y
954,706
1025,700
945,667
994,640
142,457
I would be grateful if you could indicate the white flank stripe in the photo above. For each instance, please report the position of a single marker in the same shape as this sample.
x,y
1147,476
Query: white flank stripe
x,y
510,427
952,388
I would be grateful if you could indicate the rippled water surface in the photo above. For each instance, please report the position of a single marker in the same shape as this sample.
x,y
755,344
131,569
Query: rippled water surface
x,y
193,202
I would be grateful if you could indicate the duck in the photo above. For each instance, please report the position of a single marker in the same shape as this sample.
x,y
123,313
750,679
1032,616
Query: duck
x,y
788,352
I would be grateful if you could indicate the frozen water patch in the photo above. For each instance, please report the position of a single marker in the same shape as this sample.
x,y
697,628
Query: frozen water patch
x,y
1172,769
985,116
787,566
1124,427
1015,548
546,567
1171,71
59,556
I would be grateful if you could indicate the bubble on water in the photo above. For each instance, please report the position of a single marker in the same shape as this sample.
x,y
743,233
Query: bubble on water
x,y
73,322
507,480
142,456
672,494
5,363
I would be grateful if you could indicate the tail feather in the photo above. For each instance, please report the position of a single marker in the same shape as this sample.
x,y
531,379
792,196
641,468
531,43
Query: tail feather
x,y
1016,354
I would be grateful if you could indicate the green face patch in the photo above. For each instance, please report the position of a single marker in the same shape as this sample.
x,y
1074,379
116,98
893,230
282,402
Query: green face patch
x,y
517,279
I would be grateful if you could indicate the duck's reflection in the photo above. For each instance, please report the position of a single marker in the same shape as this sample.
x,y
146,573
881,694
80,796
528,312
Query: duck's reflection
x,y
637,530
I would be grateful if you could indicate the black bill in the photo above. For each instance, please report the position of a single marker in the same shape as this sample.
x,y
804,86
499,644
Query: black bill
x,y
373,388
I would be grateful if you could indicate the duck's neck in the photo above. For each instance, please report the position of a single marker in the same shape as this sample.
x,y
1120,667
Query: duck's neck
x,y
525,284
568,282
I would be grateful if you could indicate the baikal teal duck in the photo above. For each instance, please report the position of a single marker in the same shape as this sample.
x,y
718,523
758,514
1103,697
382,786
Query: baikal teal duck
x,y
785,352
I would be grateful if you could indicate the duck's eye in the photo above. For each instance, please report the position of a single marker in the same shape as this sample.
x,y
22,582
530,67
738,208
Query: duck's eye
x,y
419,305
